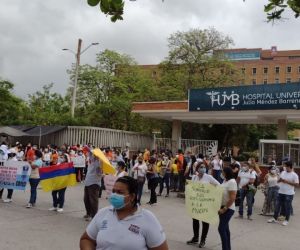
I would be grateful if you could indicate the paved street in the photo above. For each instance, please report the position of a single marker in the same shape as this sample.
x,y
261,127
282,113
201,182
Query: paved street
x,y
37,228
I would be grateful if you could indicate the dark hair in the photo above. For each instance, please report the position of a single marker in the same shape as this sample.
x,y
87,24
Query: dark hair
x,y
121,164
200,156
228,173
152,160
132,186
289,164
38,154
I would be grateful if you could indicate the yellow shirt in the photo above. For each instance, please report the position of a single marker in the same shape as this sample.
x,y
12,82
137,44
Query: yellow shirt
x,y
174,168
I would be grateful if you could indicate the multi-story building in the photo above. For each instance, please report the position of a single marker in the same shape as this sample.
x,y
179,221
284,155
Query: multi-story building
x,y
258,66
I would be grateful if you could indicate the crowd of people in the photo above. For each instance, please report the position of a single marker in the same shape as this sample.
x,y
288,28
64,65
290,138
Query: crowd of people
x,y
163,172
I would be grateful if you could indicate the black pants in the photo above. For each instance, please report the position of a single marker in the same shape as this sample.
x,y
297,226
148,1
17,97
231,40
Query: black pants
x,y
59,197
79,174
181,181
196,227
9,193
165,179
152,184
91,197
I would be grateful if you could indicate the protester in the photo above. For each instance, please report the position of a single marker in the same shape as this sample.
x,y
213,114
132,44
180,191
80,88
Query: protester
x,y
202,177
217,165
58,196
34,177
271,190
287,183
153,180
174,177
92,183
121,166
228,207
124,225
245,180
164,175
139,173
47,157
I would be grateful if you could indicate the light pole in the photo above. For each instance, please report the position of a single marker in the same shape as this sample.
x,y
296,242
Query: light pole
x,y
77,58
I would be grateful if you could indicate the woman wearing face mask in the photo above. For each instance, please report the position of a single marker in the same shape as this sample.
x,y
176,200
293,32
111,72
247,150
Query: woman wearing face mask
x,y
140,170
271,184
124,225
201,176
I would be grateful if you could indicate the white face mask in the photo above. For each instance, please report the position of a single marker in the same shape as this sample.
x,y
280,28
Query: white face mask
x,y
245,169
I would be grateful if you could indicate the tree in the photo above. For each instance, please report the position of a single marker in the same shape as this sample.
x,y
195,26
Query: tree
x,y
275,8
47,108
195,58
13,109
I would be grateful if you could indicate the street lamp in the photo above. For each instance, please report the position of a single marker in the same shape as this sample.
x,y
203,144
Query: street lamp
x,y
77,58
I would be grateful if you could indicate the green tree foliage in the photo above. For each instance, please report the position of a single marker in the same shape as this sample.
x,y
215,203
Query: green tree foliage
x,y
275,8
106,92
13,109
195,60
47,108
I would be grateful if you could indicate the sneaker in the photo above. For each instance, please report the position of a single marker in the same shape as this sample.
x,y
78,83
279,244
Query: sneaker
x,y
60,210
249,217
239,217
192,241
167,195
281,218
285,223
29,205
158,195
52,209
7,200
273,220
202,244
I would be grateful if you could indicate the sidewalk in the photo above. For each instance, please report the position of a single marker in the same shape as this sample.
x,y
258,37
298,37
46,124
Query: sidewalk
x,y
39,229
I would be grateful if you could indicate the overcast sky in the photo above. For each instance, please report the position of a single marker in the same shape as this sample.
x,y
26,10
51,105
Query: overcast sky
x,y
34,32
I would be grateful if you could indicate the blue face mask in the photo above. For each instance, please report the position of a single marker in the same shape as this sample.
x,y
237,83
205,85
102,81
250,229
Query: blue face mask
x,y
117,200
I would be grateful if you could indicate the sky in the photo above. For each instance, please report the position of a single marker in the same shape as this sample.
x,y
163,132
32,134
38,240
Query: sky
x,y
33,34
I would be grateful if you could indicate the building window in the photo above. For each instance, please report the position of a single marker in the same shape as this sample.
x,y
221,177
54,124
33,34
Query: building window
x,y
288,80
277,70
298,69
288,69
253,71
244,70
265,81
265,70
276,80
253,81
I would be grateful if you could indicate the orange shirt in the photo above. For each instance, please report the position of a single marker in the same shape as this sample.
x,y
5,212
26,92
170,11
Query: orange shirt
x,y
180,162
30,155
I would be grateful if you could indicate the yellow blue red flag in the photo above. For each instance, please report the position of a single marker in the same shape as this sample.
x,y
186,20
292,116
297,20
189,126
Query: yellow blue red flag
x,y
57,176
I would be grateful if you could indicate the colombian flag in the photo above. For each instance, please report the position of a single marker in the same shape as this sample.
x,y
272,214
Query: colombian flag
x,y
57,176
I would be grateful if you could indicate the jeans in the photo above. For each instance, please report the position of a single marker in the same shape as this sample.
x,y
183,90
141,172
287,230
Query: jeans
x,y
152,184
196,227
272,194
59,197
217,175
174,182
249,198
140,190
224,229
181,181
284,202
91,199
33,187
9,193
165,179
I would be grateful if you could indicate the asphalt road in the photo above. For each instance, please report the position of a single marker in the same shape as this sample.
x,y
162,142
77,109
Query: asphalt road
x,y
38,228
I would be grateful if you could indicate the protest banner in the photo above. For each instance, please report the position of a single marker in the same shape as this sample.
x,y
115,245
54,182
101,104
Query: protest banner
x,y
78,161
14,174
107,168
109,182
202,201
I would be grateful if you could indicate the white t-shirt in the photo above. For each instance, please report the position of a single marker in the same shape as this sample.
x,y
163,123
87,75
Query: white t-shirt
x,y
140,170
139,231
230,185
286,188
206,178
217,164
245,177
